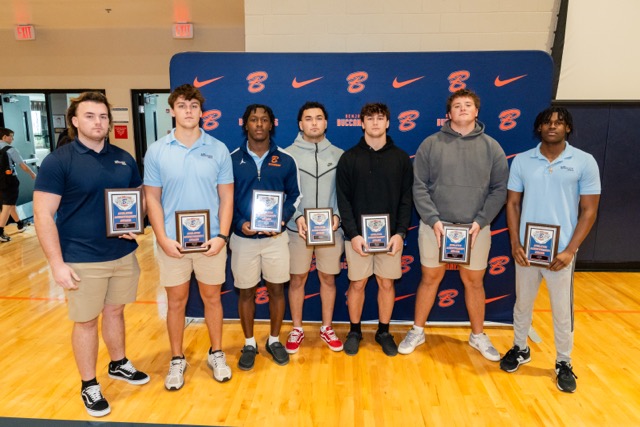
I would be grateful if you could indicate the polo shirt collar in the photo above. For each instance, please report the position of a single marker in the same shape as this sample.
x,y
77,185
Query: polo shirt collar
x,y
567,153
83,149
200,141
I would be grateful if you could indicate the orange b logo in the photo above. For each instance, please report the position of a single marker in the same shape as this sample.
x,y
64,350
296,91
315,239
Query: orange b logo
x,y
508,119
407,120
210,119
456,80
356,80
255,80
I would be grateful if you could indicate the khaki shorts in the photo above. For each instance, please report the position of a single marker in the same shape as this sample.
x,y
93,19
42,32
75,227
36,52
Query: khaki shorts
x,y
110,282
429,249
379,263
209,270
327,257
254,258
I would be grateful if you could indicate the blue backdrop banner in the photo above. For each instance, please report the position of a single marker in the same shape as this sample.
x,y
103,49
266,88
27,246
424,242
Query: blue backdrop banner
x,y
513,86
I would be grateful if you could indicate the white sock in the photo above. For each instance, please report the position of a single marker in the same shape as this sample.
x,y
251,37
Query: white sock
x,y
298,328
418,329
251,341
273,340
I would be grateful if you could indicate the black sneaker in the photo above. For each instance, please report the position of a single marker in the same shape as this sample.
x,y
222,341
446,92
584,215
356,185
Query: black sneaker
x,y
21,226
4,238
248,358
515,357
94,401
128,373
566,379
278,352
352,343
387,343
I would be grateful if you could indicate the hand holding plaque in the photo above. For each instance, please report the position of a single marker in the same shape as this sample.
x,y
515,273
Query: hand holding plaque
x,y
266,210
319,226
192,230
123,209
455,247
541,243
375,231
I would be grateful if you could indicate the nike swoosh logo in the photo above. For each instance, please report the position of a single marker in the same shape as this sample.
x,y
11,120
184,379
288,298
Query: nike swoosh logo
x,y
396,84
198,84
502,230
297,85
500,83
311,295
490,300
401,297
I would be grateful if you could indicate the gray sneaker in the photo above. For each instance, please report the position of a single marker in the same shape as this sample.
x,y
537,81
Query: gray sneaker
x,y
175,377
483,344
218,363
411,341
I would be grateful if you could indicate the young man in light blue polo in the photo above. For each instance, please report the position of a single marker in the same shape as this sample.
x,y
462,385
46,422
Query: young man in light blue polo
x,y
555,184
190,170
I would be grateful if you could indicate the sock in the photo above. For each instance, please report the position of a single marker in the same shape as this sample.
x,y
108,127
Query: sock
x,y
418,329
383,328
86,384
116,363
251,341
356,327
323,328
177,357
211,351
298,328
273,339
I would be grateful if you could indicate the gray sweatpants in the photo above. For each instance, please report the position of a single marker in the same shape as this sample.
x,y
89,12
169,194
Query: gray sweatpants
x,y
560,288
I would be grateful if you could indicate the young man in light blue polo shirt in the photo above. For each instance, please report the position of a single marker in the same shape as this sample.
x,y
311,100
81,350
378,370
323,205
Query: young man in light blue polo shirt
x,y
555,184
190,170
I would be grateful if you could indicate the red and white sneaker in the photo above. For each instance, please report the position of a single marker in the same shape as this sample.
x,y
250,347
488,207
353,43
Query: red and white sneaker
x,y
330,337
296,336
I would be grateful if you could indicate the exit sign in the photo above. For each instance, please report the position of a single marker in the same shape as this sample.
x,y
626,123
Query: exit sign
x,y
25,32
182,31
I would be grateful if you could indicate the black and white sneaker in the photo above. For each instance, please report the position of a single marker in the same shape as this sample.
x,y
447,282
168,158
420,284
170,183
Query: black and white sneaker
x,y
566,379
128,373
4,238
514,358
94,401
21,226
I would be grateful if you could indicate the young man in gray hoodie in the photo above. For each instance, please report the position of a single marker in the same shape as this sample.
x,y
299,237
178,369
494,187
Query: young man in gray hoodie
x,y
460,176
317,160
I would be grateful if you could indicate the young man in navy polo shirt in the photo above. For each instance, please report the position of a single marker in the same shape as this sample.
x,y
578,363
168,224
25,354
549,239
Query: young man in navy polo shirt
x,y
555,184
99,274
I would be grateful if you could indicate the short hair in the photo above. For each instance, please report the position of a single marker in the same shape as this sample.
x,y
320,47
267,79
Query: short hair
x,y
545,116
463,93
252,109
188,92
5,132
375,108
97,97
309,105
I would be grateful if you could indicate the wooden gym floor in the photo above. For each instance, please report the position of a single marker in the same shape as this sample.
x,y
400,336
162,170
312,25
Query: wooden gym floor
x,y
445,382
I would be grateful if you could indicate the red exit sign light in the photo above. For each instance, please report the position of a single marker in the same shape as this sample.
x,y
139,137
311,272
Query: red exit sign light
x,y
182,31
25,32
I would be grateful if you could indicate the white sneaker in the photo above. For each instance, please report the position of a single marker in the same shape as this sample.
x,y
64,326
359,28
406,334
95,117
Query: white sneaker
x,y
482,343
218,363
175,377
411,341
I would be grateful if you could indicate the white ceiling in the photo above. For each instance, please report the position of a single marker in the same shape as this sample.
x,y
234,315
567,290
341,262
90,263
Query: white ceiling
x,y
75,14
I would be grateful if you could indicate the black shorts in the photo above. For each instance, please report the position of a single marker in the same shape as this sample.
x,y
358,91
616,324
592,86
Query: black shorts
x,y
9,194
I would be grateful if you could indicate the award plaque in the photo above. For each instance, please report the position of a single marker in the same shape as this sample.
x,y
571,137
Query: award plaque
x,y
541,243
123,208
455,247
192,230
266,210
375,231
319,226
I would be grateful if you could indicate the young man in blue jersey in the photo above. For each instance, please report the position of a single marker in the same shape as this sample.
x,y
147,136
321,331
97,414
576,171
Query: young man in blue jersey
x,y
555,184
259,164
